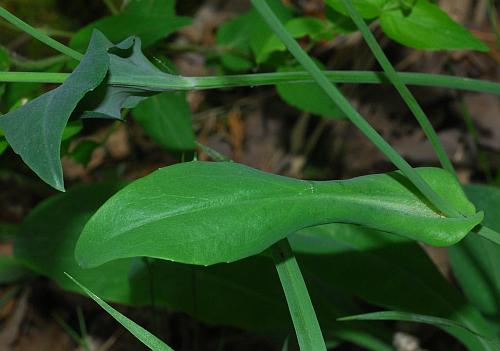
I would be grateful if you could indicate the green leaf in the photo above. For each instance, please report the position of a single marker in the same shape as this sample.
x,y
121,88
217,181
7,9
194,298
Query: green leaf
x,y
476,261
82,153
261,35
148,339
308,97
166,117
298,27
443,323
11,270
385,270
55,226
126,61
233,38
35,130
367,8
150,20
205,213
428,27
3,145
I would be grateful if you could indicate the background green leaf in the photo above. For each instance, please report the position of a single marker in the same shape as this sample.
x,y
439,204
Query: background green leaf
x,y
476,261
428,27
307,97
150,20
233,38
385,270
166,117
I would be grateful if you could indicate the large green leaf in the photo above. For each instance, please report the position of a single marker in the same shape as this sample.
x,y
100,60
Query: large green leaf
x,y
385,270
476,261
166,117
428,27
150,20
245,294
35,130
48,236
205,213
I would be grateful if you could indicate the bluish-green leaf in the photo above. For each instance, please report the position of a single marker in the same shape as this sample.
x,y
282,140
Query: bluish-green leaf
x,y
35,130
428,27
144,336
261,34
150,20
166,117
205,213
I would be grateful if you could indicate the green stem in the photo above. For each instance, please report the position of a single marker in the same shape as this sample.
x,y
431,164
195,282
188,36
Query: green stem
x,y
333,92
37,34
302,312
260,79
111,7
487,233
405,93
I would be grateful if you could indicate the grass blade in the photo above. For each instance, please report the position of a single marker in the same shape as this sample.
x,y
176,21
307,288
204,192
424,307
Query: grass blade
x,y
332,91
139,332
304,318
419,318
35,33
405,93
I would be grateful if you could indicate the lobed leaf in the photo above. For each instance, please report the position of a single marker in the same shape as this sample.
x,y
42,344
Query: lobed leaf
x,y
35,130
205,213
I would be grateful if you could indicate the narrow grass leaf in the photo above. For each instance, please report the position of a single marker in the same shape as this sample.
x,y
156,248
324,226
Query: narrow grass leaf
x,y
148,339
405,93
301,309
344,105
491,343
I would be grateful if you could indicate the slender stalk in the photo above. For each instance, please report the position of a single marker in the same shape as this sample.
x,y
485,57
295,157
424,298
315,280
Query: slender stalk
x,y
487,233
111,7
405,93
302,312
37,34
333,92
260,79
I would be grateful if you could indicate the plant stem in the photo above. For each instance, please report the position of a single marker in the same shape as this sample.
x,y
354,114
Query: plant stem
x,y
111,7
37,34
302,312
332,91
405,93
260,79
487,233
